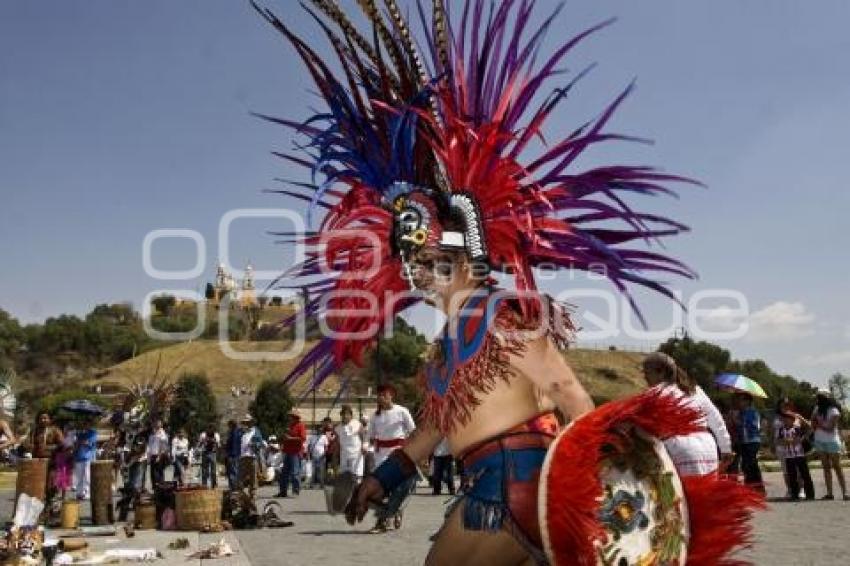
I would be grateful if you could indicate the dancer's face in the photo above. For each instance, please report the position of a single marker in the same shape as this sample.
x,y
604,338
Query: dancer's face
x,y
440,274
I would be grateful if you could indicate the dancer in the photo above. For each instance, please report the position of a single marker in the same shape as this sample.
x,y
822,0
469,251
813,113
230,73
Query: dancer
x,y
426,171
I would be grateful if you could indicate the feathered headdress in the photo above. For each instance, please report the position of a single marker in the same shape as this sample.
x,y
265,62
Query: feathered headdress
x,y
417,133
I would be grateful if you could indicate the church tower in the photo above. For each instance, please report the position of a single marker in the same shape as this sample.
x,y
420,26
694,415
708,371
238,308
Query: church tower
x,y
224,285
248,294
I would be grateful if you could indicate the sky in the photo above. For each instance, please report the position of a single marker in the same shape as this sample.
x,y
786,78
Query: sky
x,y
120,118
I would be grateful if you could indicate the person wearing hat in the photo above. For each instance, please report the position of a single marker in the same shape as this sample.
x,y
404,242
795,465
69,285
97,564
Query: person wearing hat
x,y
292,448
827,441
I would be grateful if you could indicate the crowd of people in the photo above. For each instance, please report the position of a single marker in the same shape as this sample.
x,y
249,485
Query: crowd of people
x,y
297,458
732,441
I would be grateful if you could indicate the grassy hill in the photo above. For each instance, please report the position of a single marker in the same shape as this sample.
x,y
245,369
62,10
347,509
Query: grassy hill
x,y
606,374
207,357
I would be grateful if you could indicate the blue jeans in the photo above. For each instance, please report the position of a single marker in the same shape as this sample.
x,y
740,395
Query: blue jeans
x,y
291,474
750,463
208,470
136,476
157,468
232,465
319,469
179,470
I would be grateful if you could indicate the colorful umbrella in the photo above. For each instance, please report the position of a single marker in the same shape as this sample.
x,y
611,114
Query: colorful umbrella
x,y
740,383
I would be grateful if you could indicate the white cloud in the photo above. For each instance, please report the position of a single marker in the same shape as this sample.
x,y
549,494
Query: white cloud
x,y
777,322
780,321
828,359
722,319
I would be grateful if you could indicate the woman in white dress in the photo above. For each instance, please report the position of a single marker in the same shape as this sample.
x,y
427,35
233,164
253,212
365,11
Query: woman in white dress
x,y
697,453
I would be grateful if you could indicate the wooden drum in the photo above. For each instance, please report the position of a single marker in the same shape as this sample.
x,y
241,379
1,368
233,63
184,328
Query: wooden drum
x,y
32,478
102,511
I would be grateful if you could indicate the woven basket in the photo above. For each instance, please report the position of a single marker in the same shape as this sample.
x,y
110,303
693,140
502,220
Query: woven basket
x,y
145,516
198,509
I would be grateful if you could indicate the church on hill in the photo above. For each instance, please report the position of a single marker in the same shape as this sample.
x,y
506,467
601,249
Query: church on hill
x,y
242,294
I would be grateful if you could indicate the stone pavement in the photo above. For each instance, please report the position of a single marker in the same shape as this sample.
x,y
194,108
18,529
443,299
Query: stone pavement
x,y
787,534
804,534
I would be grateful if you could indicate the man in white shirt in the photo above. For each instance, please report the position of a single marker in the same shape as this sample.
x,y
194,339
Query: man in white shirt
x,y
318,453
388,430
350,438
158,452
390,425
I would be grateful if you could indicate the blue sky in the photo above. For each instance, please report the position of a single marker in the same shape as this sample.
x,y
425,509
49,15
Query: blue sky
x,y
118,118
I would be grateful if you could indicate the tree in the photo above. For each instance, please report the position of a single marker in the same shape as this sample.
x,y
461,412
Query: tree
x,y
398,357
117,314
163,304
703,361
271,407
209,292
12,338
194,405
397,360
839,385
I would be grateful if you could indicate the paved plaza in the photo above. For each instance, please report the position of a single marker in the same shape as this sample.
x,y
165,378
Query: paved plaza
x,y
798,534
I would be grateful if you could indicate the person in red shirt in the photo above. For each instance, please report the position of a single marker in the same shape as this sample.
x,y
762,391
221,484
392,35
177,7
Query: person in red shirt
x,y
292,448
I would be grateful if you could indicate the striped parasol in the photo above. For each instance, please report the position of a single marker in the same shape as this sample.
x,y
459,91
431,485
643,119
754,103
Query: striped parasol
x,y
739,382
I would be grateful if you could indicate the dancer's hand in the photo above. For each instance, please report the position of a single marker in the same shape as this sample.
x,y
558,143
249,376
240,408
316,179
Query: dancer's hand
x,y
368,491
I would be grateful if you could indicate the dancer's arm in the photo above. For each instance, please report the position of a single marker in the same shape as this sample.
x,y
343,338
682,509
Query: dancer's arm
x,y
544,365
419,446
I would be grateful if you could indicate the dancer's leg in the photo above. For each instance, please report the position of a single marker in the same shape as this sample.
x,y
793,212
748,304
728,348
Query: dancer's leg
x,y
455,545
